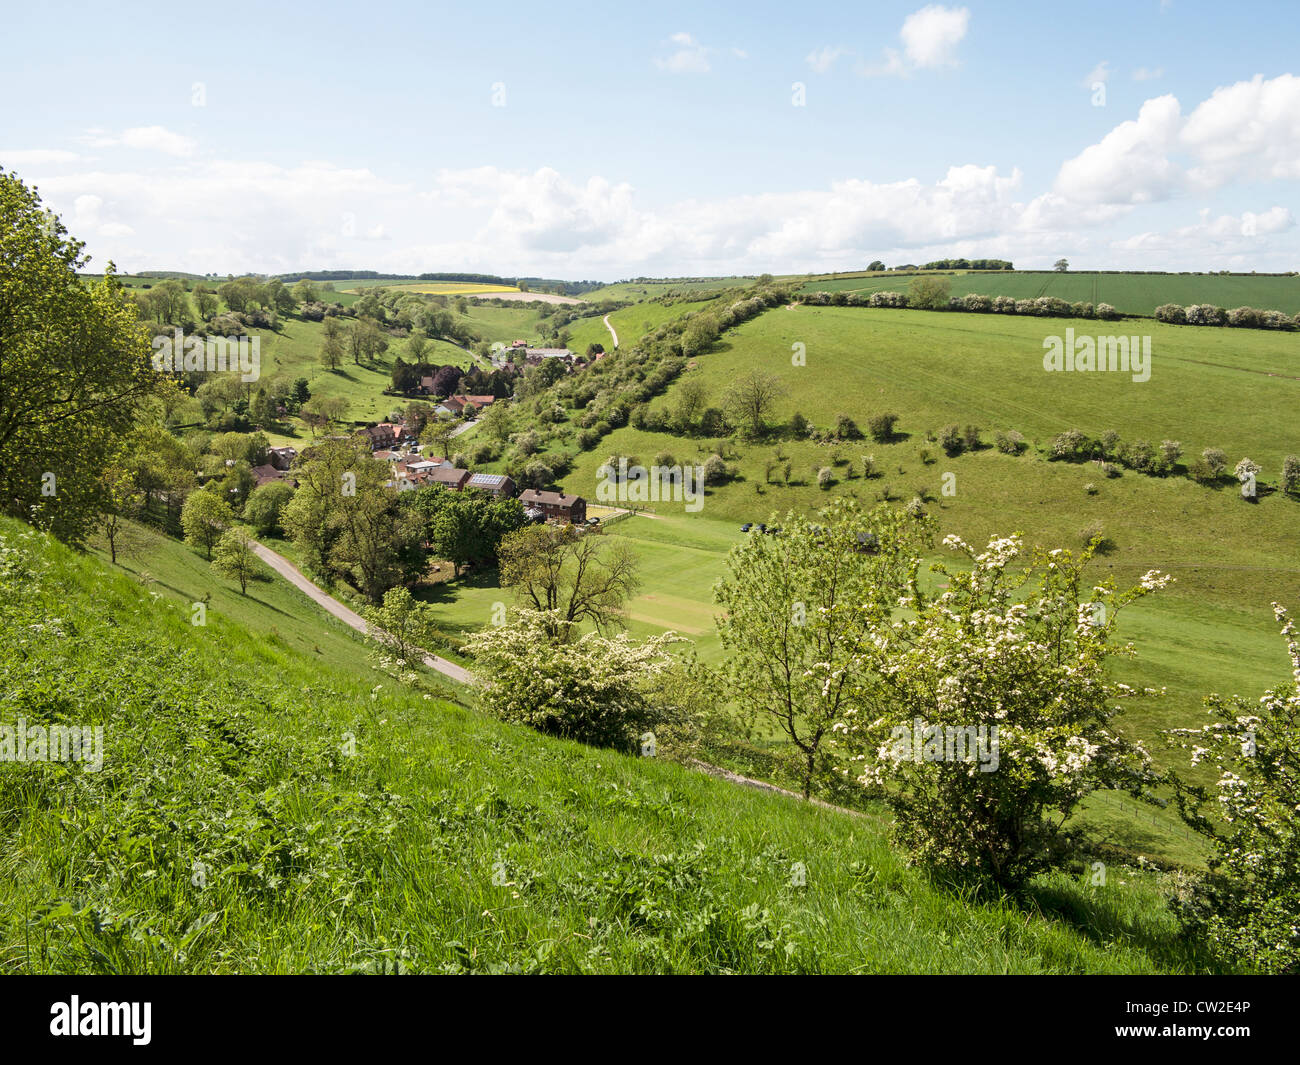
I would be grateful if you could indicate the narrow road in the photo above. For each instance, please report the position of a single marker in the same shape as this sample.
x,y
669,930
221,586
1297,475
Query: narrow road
x,y
294,576
611,330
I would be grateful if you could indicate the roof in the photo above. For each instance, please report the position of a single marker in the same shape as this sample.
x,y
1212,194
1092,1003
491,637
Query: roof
x,y
488,480
554,499
266,473
449,475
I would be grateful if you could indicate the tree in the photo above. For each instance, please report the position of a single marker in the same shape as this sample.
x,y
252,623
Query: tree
x,y
439,433
463,527
928,293
536,671
265,505
331,349
205,299
1061,265
204,517
752,398
305,291
121,498
797,612
402,625
75,370
416,344
234,558
569,574
983,715
692,398
1248,908
1291,473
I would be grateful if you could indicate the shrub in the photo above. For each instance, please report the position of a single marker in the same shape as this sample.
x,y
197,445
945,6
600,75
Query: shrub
x,y
1141,456
846,428
1107,312
925,456
971,437
1248,908
1245,318
1291,473
881,427
977,303
950,439
1109,469
1206,314
1201,473
973,657
1171,312
715,470
928,293
916,508
1215,459
1091,489
825,477
602,689
1070,445
1009,443
1112,445
868,466
1170,452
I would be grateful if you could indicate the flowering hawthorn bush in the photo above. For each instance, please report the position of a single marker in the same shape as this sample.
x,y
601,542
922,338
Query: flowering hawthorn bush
x,y
596,689
1019,659
1248,908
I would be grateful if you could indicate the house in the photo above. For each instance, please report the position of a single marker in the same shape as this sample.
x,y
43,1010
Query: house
x,y
426,384
536,355
387,456
452,405
480,401
448,477
267,473
282,457
379,437
555,506
497,485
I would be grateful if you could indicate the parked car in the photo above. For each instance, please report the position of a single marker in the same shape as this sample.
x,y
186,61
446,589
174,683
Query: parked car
x,y
747,526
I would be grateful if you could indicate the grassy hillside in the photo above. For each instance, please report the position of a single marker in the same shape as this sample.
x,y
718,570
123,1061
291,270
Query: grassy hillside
x,y
259,811
1127,293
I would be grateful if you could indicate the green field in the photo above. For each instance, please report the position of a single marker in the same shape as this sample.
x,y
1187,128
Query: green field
x,y
1128,293
262,810
629,322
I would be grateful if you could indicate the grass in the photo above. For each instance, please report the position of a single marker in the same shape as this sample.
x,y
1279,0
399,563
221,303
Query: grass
x,y
1127,293
262,811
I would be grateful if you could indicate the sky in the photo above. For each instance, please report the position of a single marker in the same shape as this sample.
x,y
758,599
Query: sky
x,y
606,142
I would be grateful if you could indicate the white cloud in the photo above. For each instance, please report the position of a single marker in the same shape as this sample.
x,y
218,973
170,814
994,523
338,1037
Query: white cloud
x,y
691,57
144,138
1246,131
36,157
823,59
930,37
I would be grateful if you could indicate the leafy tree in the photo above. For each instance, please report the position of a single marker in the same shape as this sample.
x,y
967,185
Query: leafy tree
x,y
570,575
402,626
928,293
692,398
331,350
265,505
752,398
121,499
796,615
1061,265
204,517
234,558
75,371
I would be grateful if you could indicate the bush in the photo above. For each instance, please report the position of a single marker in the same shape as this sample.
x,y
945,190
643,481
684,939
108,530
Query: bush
x,y
1291,473
928,293
950,439
825,477
846,428
1201,472
1248,908
1009,443
1171,312
262,511
1109,469
602,688
1091,489
881,427
1141,456
1070,445
1206,314
971,437
1107,312
1216,460
1170,452
715,470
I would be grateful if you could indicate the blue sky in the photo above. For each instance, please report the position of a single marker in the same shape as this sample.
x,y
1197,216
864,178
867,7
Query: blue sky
x,y
604,141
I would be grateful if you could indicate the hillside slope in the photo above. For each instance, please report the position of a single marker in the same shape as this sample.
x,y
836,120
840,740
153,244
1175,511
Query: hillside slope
x,y
258,811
